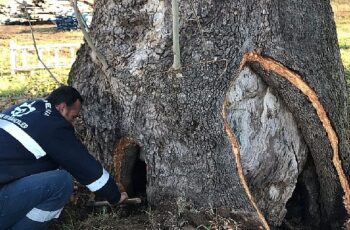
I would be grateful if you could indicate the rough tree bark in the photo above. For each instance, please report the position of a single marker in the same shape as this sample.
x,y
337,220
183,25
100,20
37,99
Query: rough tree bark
x,y
178,120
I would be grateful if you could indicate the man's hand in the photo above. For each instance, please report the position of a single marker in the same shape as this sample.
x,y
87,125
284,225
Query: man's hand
x,y
123,197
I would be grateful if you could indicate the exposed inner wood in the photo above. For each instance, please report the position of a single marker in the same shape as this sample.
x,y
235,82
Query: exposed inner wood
x,y
236,151
272,65
118,157
272,149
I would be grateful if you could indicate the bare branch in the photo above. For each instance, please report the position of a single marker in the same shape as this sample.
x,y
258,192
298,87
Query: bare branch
x,y
34,43
176,40
87,36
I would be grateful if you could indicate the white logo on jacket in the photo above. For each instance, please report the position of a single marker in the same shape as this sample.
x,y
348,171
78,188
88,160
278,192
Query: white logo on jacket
x,y
23,109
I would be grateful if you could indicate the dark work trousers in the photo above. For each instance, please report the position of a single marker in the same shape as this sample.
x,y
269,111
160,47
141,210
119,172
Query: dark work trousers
x,y
31,202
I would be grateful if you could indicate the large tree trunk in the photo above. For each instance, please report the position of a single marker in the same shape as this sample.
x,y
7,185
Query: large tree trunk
x,y
226,104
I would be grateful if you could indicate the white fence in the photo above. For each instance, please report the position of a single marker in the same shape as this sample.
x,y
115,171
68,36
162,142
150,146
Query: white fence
x,y
24,57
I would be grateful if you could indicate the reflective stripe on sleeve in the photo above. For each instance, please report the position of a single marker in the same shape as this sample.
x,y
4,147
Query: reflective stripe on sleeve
x,y
39,215
27,141
99,183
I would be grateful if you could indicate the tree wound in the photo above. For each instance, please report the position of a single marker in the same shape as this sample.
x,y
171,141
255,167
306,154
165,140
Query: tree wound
x,y
130,169
271,148
272,65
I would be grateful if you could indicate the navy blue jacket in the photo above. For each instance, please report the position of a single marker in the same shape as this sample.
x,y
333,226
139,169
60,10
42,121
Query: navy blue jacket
x,y
35,137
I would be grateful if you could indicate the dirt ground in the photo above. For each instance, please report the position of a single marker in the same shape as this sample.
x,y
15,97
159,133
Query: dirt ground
x,y
47,33
8,30
77,215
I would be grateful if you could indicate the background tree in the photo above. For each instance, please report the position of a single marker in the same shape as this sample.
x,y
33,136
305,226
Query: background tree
x,y
192,146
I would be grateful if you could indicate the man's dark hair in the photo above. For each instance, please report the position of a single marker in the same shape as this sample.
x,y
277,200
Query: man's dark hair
x,y
66,94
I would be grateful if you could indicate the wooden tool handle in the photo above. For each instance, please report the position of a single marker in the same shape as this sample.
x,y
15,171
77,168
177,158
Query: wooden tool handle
x,y
106,203
135,200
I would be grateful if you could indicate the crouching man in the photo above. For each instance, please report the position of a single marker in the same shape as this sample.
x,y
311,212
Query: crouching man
x,y
39,154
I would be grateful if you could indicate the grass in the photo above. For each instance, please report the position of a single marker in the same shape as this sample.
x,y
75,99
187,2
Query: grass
x,y
35,82
342,18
